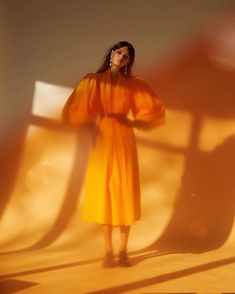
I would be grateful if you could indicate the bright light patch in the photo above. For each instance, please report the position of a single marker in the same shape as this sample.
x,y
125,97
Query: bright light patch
x,y
48,100
214,131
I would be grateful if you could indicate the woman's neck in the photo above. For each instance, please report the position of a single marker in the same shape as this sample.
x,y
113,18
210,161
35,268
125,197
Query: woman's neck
x,y
114,73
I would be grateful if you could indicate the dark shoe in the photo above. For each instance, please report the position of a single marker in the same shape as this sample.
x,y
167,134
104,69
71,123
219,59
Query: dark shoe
x,y
123,259
108,260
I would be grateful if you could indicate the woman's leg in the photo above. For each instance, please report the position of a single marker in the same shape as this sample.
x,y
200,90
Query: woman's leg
x,y
108,260
123,257
124,235
107,232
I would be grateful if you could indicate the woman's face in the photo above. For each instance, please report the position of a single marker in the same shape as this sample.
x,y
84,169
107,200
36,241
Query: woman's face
x,y
120,57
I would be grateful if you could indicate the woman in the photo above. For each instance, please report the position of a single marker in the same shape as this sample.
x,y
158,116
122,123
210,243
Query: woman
x,y
104,99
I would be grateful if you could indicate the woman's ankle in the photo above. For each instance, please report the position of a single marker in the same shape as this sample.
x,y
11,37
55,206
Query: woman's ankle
x,y
123,250
108,250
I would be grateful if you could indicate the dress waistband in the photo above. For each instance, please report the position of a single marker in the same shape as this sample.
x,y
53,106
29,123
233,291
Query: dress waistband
x,y
112,115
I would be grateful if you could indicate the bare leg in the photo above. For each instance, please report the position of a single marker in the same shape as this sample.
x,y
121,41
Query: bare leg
x,y
107,232
123,257
124,234
108,260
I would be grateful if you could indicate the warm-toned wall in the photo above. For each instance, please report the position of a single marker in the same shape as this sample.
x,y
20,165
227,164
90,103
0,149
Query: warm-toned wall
x,y
49,46
58,41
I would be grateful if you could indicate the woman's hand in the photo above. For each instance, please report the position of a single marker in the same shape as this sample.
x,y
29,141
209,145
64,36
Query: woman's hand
x,y
138,124
125,121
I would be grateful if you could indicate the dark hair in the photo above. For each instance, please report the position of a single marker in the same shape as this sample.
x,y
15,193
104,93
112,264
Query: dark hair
x,y
106,62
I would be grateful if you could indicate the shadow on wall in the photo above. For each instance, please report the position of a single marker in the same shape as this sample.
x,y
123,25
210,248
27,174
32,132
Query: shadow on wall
x,y
74,186
204,212
37,145
204,209
11,153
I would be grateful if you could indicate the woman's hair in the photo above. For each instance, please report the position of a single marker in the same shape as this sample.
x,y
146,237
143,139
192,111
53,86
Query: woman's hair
x,y
131,51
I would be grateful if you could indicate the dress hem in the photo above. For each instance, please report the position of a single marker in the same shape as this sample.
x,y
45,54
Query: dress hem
x,y
111,224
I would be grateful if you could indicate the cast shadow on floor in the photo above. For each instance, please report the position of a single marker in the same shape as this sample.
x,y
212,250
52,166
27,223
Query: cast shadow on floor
x,y
12,285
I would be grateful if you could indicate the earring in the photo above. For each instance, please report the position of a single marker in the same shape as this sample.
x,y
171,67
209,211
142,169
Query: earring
x,y
110,62
125,72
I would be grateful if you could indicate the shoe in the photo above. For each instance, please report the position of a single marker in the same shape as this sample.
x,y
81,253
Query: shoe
x,y
108,260
123,259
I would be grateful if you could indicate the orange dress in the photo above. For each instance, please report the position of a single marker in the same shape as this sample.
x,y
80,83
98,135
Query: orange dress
x,y
112,189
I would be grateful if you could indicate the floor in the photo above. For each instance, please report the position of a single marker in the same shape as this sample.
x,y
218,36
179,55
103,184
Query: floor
x,y
78,270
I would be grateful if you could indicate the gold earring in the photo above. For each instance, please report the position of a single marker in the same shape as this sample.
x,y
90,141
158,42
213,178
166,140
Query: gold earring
x,y
110,62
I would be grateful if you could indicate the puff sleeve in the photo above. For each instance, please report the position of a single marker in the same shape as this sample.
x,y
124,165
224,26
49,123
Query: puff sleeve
x,y
82,105
147,108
